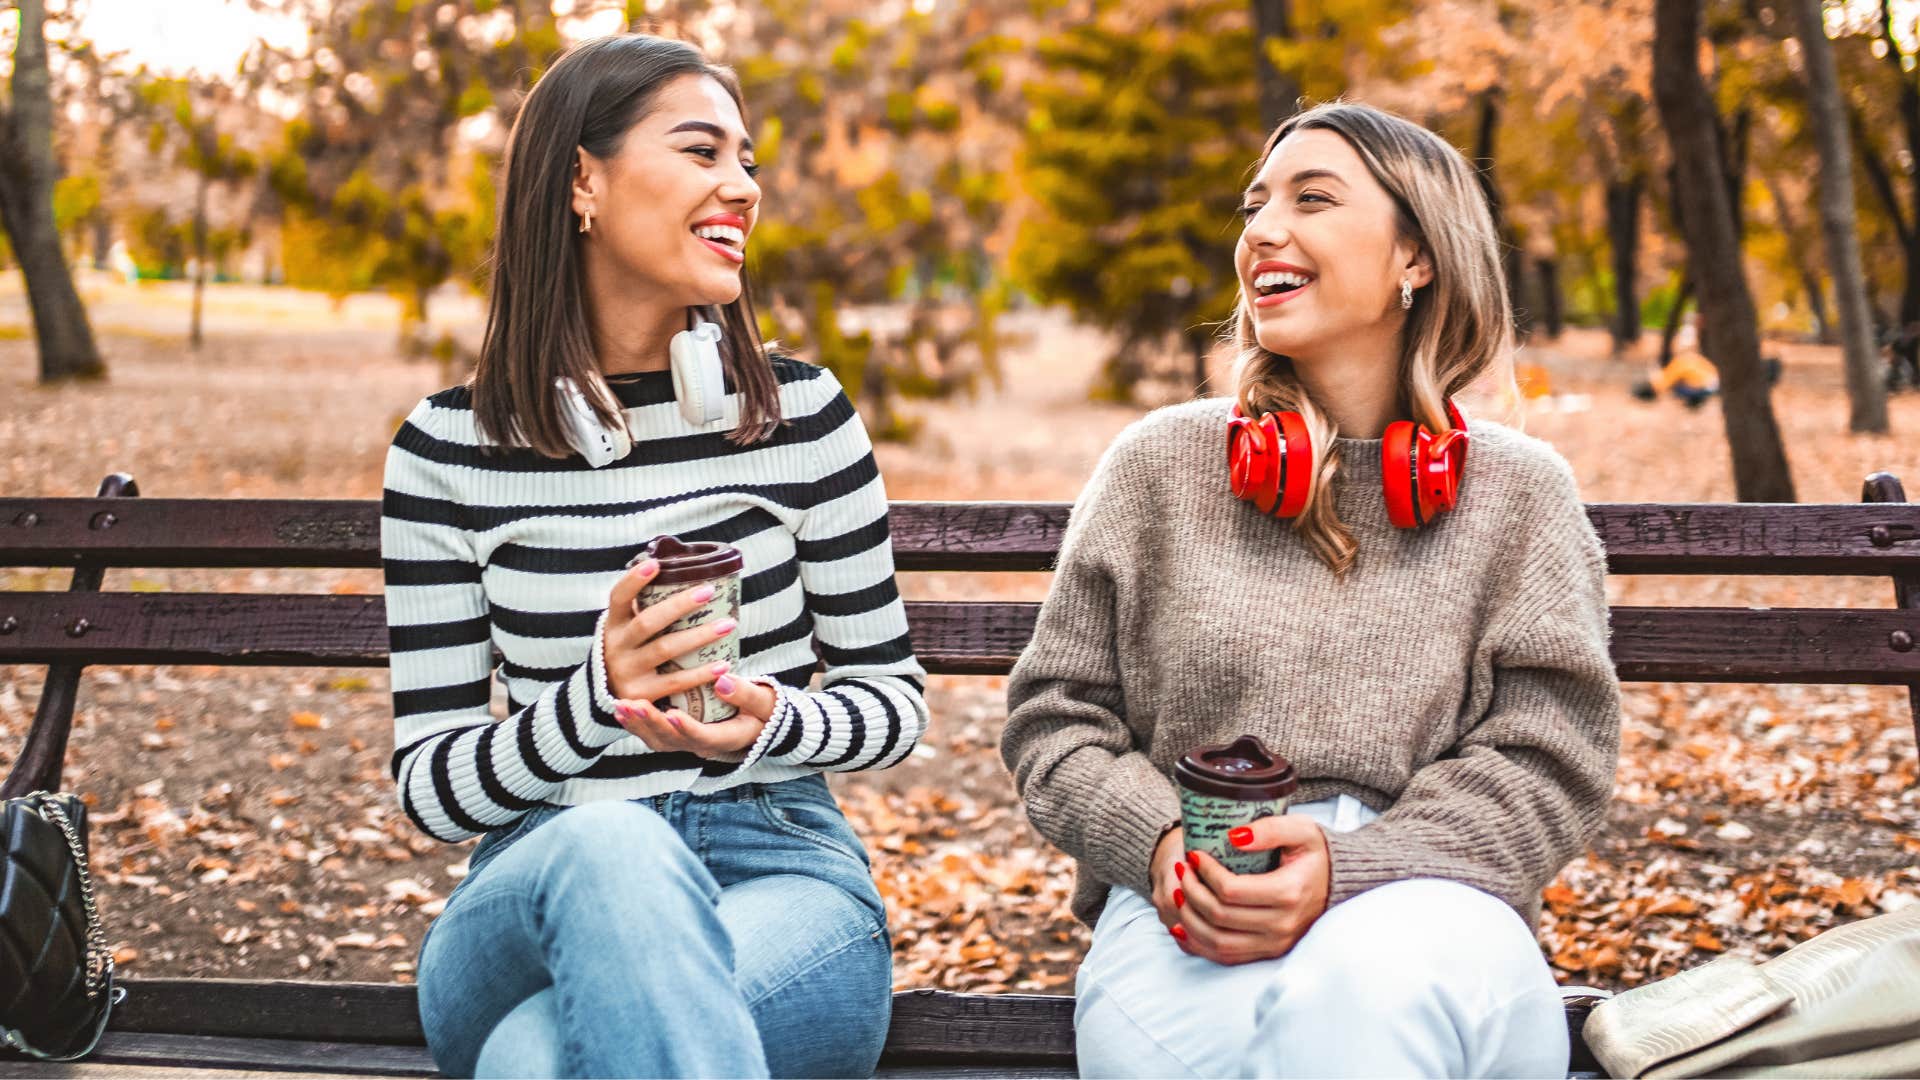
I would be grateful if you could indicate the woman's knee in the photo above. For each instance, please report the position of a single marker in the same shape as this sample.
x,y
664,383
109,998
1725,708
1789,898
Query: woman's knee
x,y
1402,946
526,1041
622,850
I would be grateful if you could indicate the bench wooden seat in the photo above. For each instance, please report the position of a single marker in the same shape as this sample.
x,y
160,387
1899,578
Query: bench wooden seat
x,y
371,1028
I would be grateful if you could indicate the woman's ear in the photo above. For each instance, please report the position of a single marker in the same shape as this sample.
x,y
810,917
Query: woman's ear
x,y
586,181
1419,269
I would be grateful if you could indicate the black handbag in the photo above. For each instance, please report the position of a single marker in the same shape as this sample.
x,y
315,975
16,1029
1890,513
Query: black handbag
x,y
56,975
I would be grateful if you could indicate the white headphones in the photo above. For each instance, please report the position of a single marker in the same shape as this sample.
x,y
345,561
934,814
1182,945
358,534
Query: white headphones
x,y
699,381
699,386
598,443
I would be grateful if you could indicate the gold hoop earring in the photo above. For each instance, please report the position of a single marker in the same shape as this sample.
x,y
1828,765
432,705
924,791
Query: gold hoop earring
x,y
586,221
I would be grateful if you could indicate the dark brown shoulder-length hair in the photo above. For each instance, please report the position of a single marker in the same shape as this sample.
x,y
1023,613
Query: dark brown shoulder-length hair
x,y
537,326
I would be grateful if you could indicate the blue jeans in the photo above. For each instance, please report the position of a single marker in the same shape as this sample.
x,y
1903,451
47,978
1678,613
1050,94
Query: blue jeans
x,y
731,934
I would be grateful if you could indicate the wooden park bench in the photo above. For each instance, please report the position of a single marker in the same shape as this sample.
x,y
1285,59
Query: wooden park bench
x,y
373,1028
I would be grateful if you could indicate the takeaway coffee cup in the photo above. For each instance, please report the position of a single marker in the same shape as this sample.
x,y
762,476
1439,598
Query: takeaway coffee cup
x,y
687,565
1226,786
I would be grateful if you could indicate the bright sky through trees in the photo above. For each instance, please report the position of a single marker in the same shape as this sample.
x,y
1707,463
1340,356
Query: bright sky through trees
x,y
177,36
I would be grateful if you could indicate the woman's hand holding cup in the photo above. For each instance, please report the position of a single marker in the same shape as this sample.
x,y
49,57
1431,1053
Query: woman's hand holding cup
x,y
1166,872
1234,918
636,647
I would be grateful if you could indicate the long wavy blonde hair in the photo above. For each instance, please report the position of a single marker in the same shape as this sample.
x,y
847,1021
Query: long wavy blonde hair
x,y
1459,329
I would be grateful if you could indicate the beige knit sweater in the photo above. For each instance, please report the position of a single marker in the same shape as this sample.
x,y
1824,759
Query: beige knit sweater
x,y
1458,680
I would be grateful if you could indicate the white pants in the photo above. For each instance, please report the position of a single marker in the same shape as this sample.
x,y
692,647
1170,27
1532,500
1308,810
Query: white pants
x,y
1418,978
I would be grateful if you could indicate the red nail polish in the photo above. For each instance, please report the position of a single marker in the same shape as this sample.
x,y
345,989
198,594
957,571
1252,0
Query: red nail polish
x,y
1193,859
1240,837
1180,871
1179,898
1180,932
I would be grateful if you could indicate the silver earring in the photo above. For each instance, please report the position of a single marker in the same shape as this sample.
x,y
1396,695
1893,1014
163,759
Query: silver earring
x,y
1406,293
586,221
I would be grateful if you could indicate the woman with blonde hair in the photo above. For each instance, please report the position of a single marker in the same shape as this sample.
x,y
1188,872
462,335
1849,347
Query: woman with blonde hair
x,y
1425,642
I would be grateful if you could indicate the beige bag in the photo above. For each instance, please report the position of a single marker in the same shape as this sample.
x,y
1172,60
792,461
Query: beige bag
x,y
1846,1003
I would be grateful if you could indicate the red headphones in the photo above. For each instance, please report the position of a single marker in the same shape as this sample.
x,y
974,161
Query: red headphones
x,y
1420,471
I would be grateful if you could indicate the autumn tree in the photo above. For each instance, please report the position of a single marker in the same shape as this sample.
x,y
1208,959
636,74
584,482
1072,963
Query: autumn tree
x,y
1144,120
1707,217
1137,149
1865,391
884,149
186,126
1550,100
28,171
385,178
1273,29
1884,122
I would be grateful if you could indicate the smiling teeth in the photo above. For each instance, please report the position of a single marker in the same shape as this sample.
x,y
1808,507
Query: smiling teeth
x,y
725,234
1273,279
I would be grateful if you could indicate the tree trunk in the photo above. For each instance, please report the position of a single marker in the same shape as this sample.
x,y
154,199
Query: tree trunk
x,y
1734,149
1675,314
1866,392
1760,471
1197,345
1803,263
1547,272
1623,236
102,226
1906,343
194,335
1880,179
60,327
1279,91
1485,141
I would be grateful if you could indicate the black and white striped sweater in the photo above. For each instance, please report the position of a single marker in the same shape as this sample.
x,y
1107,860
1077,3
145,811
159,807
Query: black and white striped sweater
x,y
518,551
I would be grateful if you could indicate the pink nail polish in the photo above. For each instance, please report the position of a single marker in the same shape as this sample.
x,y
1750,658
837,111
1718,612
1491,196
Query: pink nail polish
x,y
724,627
726,684
675,721
722,667
649,568
623,711
703,594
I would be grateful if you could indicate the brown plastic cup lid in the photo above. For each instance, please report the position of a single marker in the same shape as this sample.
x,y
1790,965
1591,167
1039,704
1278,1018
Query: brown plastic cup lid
x,y
680,561
1241,769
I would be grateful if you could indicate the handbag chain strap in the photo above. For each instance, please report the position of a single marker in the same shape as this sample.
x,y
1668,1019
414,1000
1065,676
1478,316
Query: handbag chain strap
x,y
98,959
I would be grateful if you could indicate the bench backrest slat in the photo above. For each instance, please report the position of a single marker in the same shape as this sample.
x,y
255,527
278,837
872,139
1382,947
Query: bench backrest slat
x,y
1640,538
950,637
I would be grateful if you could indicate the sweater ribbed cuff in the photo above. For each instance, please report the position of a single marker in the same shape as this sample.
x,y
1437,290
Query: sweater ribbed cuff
x,y
778,728
1363,859
601,691
1134,820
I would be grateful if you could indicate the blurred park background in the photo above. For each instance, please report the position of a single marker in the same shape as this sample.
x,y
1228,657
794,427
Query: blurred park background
x,y
243,238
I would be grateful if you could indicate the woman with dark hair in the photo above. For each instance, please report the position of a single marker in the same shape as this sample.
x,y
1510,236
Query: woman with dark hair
x,y
1423,637
651,895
